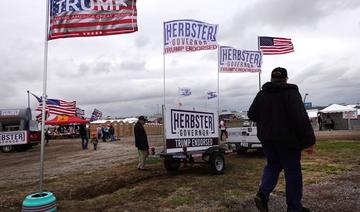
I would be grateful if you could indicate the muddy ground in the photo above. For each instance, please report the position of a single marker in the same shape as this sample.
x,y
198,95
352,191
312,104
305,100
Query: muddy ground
x,y
66,156
107,180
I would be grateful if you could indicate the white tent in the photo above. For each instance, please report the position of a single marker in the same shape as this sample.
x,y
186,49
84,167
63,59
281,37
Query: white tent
x,y
335,108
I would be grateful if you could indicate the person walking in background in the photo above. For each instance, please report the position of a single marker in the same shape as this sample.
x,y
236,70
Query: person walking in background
x,y
98,132
141,142
94,141
319,119
284,129
84,136
103,132
223,129
328,122
112,133
47,136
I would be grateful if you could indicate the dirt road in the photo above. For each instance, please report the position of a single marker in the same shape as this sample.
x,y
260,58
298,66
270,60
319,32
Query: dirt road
x,y
66,156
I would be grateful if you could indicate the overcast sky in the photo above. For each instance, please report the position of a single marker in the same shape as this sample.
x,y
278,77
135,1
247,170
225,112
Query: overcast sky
x,y
122,75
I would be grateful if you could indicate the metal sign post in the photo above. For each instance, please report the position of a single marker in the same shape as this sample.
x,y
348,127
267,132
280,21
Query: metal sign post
x,y
44,98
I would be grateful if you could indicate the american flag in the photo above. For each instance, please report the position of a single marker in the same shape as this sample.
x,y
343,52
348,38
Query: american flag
x,y
58,107
39,116
275,45
84,18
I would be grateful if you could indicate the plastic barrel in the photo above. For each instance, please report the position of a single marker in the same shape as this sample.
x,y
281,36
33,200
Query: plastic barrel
x,y
44,201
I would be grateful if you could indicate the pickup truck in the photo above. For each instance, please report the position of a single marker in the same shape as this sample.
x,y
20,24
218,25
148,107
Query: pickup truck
x,y
243,138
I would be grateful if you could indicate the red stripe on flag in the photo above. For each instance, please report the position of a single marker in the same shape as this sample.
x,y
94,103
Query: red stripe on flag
x,y
91,33
90,24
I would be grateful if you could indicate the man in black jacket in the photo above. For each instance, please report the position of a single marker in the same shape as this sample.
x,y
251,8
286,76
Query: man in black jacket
x,y
284,129
84,136
141,142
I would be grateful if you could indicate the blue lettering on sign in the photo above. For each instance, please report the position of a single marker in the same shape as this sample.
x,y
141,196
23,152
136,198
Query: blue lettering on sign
x,y
18,137
190,29
61,6
231,54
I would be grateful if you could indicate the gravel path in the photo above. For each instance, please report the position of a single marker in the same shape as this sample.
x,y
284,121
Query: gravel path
x,y
338,194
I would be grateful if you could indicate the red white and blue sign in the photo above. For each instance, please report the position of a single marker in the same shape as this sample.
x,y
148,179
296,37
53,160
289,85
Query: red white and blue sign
x,y
83,18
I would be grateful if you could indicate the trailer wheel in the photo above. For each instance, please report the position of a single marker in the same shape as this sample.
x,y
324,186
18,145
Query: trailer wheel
x,y
7,149
171,165
217,163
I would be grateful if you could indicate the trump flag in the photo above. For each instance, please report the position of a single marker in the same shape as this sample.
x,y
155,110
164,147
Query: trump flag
x,y
84,18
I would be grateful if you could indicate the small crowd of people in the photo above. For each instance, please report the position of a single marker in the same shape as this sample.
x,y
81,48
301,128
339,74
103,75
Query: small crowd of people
x,y
105,133
326,124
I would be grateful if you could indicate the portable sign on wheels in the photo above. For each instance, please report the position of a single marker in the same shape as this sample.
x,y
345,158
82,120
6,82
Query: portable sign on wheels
x,y
192,134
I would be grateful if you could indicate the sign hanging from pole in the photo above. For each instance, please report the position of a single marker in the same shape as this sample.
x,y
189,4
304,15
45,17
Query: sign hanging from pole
x,y
84,18
233,60
189,36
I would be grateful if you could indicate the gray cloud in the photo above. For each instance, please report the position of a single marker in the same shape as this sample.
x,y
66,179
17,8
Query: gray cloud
x,y
122,75
133,65
278,15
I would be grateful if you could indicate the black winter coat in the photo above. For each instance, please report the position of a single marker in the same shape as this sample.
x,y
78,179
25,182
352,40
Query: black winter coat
x,y
281,117
141,141
82,130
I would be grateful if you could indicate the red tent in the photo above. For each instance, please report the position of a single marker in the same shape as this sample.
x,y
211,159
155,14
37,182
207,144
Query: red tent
x,y
59,120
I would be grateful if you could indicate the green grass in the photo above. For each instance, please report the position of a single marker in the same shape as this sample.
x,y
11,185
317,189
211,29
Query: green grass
x,y
123,187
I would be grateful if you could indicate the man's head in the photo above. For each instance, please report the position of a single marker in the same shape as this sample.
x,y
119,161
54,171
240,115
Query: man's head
x,y
279,75
141,119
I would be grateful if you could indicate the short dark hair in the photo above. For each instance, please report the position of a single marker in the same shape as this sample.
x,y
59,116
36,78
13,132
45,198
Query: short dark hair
x,y
279,74
141,118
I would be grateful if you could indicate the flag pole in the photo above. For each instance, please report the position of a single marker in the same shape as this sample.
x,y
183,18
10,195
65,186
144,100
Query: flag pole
x,y
44,98
218,82
163,107
28,94
260,70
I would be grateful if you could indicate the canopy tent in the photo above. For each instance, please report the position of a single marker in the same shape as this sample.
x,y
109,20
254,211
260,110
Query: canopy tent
x,y
61,120
335,108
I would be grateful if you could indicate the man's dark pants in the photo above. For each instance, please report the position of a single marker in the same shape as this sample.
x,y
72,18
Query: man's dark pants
x,y
84,142
279,159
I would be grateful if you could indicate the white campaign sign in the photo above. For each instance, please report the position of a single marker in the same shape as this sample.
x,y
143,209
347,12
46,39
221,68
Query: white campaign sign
x,y
195,130
350,115
13,138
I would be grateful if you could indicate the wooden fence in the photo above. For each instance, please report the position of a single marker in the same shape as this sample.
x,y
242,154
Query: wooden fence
x,y
127,129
